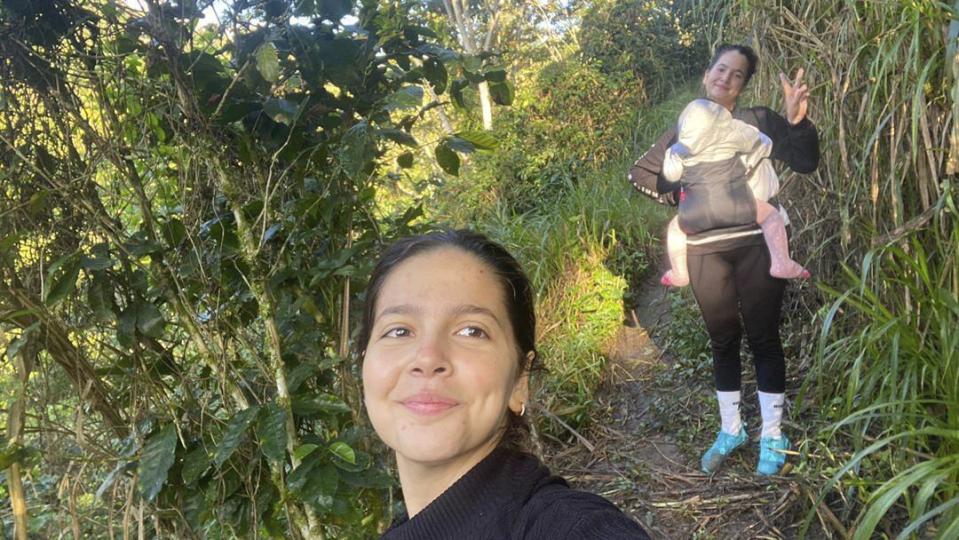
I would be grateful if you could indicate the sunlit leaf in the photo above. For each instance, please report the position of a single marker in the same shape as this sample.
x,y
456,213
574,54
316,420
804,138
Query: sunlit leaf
x,y
482,140
268,62
343,451
304,450
361,461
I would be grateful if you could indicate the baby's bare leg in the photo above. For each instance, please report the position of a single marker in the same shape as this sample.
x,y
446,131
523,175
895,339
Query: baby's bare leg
x,y
774,231
678,275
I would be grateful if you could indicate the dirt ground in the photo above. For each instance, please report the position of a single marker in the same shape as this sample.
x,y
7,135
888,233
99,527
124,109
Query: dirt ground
x,y
651,425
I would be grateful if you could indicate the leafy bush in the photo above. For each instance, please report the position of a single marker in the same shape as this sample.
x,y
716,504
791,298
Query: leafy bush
x,y
896,360
566,121
187,213
657,41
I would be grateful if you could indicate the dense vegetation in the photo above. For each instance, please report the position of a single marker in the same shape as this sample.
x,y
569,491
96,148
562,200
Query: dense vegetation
x,y
189,209
881,218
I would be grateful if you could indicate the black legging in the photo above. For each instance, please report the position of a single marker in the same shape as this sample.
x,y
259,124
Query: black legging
x,y
726,284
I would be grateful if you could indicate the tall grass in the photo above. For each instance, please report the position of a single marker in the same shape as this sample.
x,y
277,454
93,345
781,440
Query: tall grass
x,y
880,222
898,404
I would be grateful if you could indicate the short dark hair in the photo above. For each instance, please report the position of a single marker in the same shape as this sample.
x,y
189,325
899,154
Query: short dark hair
x,y
517,294
751,58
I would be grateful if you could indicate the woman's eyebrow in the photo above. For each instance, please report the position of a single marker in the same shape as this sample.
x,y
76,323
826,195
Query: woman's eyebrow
x,y
399,309
741,72
472,309
461,309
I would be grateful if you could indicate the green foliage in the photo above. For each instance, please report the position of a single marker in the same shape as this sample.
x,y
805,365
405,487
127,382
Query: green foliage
x,y
879,222
156,460
585,307
271,431
566,121
897,399
183,208
655,41
234,434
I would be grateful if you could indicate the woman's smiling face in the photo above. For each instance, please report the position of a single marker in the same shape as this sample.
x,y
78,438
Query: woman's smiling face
x,y
441,366
724,81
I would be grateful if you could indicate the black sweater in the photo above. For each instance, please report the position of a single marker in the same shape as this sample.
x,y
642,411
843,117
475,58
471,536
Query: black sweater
x,y
797,146
511,495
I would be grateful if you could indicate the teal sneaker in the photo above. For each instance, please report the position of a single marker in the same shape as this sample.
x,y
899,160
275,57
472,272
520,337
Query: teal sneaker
x,y
720,450
771,455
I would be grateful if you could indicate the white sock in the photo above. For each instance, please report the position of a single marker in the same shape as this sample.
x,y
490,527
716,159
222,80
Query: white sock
x,y
771,407
729,411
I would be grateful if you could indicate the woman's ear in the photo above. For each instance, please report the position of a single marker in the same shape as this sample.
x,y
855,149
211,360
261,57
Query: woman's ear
x,y
520,395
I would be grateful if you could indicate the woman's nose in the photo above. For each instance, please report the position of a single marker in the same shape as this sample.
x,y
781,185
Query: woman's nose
x,y
431,359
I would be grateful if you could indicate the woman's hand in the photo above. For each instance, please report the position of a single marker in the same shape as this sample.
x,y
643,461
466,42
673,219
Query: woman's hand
x,y
796,96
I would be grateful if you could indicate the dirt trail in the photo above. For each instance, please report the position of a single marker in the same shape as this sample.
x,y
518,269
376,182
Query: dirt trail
x,y
650,427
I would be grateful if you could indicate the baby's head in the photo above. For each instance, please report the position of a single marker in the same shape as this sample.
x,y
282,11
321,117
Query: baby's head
x,y
699,118
703,113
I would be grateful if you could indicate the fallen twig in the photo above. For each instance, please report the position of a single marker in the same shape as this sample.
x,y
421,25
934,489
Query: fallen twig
x,y
589,446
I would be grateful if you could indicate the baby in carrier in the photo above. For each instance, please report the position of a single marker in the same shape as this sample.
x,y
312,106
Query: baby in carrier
x,y
726,180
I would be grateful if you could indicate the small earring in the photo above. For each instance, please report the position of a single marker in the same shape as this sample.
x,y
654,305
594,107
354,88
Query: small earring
x,y
522,409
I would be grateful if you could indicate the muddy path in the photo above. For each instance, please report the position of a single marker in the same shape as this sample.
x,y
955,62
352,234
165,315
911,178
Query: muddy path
x,y
654,415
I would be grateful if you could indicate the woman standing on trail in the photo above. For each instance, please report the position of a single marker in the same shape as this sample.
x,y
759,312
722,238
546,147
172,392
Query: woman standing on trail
x,y
729,266
448,339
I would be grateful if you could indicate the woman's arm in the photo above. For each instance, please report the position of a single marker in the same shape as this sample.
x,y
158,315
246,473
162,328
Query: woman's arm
x,y
796,145
646,174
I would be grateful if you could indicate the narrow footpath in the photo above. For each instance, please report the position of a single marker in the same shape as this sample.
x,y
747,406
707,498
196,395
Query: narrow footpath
x,y
653,416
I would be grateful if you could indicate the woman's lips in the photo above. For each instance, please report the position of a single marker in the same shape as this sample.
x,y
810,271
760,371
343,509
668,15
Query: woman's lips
x,y
428,404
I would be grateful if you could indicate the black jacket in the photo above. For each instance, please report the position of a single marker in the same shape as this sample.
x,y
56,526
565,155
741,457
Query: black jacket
x,y
511,495
797,146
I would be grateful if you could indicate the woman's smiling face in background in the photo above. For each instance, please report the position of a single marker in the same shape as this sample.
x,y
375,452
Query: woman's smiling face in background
x,y
724,81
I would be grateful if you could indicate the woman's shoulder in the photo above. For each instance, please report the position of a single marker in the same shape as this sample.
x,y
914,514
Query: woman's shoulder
x,y
759,116
557,511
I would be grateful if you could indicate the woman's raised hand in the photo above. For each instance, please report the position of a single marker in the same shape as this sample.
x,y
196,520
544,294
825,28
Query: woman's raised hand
x,y
796,96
